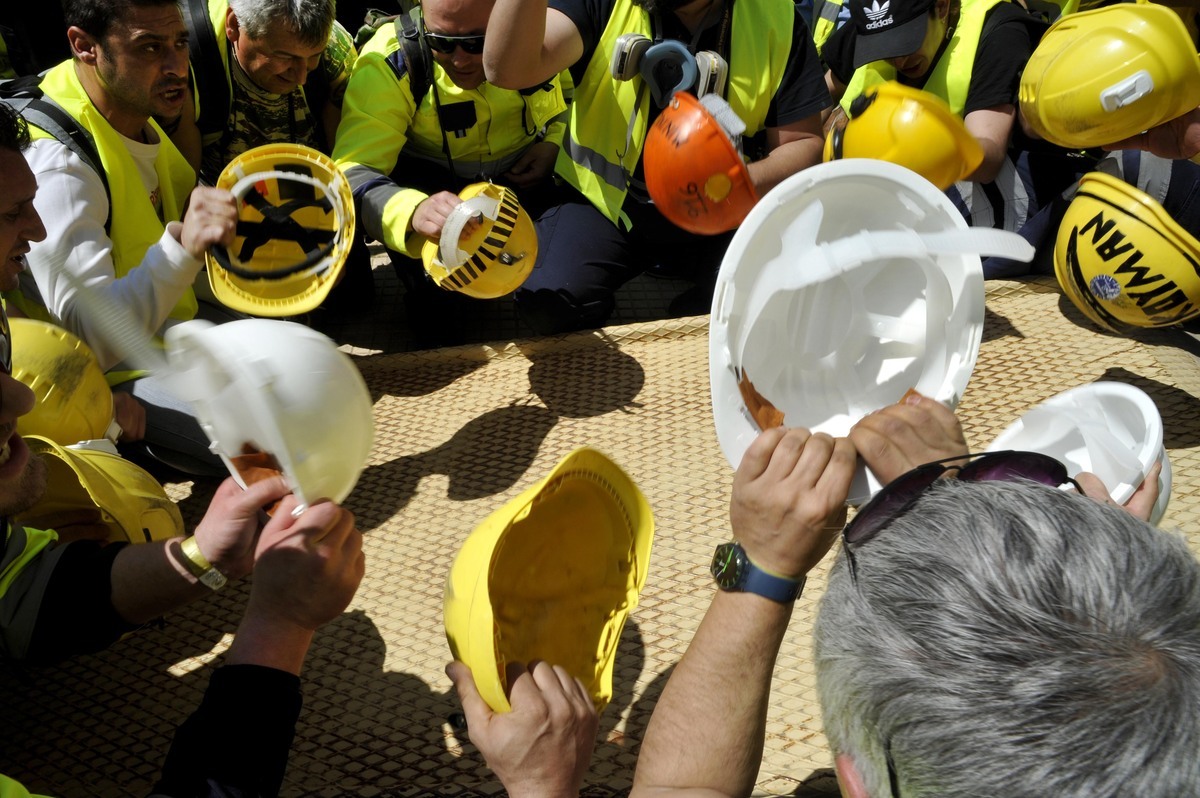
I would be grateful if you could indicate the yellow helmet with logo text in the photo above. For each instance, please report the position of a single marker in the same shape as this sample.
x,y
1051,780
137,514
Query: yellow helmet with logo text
x,y
74,402
909,127
1100,76
295,228
91,483
1123,260
552,576
494,258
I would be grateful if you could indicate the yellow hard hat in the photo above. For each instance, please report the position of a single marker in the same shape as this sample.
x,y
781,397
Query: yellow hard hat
x,y
74,402
909,127
129,501
1100,76
551,576
494,259
1123,260
295,228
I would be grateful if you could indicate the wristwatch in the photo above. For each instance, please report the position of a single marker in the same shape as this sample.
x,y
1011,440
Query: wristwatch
x,y
199,565
733,571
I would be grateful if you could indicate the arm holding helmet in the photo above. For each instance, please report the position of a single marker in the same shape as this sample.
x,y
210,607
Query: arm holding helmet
x,y
377,114
307,571
1176,139
791,148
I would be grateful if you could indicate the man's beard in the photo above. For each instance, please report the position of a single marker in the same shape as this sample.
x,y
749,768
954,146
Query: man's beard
x,y
29,490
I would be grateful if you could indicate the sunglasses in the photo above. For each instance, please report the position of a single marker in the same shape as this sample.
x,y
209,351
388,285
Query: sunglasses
x,y
472,45
901,493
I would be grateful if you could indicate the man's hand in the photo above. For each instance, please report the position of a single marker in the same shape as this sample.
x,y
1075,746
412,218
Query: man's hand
x,y
228,532
1178,138
430,216
534,165
789,497
130,416
1140,504
544,745
211,218
307,568
914,431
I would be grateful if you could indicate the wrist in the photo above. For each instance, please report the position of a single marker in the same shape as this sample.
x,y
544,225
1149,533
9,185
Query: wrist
x,y
197,564
270,642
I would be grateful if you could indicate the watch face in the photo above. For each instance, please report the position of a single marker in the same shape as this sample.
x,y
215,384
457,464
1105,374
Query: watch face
x,y
728,566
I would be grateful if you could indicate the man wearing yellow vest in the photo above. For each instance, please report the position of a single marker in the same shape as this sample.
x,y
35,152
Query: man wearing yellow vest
x,y
605,230
125,233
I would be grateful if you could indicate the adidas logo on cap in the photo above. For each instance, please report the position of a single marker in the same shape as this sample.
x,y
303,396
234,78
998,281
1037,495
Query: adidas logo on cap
x,y
879,15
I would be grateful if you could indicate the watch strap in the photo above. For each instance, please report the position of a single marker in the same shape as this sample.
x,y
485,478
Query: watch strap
x,y
767,585
199,566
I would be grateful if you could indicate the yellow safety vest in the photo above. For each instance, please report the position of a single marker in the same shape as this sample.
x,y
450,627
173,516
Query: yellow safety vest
x,y
950,77
135,223
594,157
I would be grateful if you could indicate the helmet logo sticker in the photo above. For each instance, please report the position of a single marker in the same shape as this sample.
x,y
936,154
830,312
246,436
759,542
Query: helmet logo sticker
x,y
1105,286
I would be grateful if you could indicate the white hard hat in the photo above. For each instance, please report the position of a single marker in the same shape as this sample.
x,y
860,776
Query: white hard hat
x,y
848,284
1111,429
276,395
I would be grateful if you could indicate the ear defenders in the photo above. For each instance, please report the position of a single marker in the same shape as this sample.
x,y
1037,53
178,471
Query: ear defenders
x,y
667,67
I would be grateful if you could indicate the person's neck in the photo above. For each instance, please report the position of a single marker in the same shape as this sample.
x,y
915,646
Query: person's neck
x,y
130,125
696,15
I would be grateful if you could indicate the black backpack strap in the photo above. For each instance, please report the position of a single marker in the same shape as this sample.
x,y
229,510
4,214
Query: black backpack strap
x,y
208,73
25,96
417,59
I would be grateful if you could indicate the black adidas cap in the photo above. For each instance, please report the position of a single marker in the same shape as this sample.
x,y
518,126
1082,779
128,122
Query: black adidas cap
x,y
888,28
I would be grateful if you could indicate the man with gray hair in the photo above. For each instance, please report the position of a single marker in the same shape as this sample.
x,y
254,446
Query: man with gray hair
x,y
980,635
263,71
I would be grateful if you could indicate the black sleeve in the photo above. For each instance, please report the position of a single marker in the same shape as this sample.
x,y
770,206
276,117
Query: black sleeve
x,y
76,615
235,745
838,53
1003,52
802,92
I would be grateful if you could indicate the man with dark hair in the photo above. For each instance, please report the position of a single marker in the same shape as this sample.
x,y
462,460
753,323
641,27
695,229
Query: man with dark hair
x,y
125,233
982,634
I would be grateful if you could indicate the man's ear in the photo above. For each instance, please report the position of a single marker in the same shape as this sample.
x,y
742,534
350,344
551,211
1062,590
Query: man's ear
x,y
232,28
849,779
83,46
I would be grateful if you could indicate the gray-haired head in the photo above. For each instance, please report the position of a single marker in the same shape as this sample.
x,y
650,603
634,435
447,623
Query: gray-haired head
x,y
1012,639
310,20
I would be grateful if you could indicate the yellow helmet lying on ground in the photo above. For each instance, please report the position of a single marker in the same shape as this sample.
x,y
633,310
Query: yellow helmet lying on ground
x,y
93,478
1123,260
1100,76
74,402
909,127
295,228
551,576
496,257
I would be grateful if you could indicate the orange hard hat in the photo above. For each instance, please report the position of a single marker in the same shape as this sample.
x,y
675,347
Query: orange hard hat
x,y
694,173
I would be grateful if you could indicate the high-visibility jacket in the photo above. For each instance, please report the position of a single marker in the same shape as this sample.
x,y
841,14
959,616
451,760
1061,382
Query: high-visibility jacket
x,y
381,121
601,149
135,223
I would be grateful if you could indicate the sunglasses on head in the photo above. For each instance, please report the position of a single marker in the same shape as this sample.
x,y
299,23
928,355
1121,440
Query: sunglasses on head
x,y
472,45
901,493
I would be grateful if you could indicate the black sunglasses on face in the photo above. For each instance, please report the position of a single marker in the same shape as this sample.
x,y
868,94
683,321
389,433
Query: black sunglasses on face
x,y
472,45
901,493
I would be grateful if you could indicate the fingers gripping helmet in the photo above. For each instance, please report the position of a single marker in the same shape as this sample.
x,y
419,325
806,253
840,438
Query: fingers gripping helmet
x,y
909,127
496,257
551,576
694,171
74,402
276,397
1123,260
1100,76
295,228
93,478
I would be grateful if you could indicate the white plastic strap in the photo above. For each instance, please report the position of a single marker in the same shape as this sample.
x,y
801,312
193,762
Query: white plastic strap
x,y
452,257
